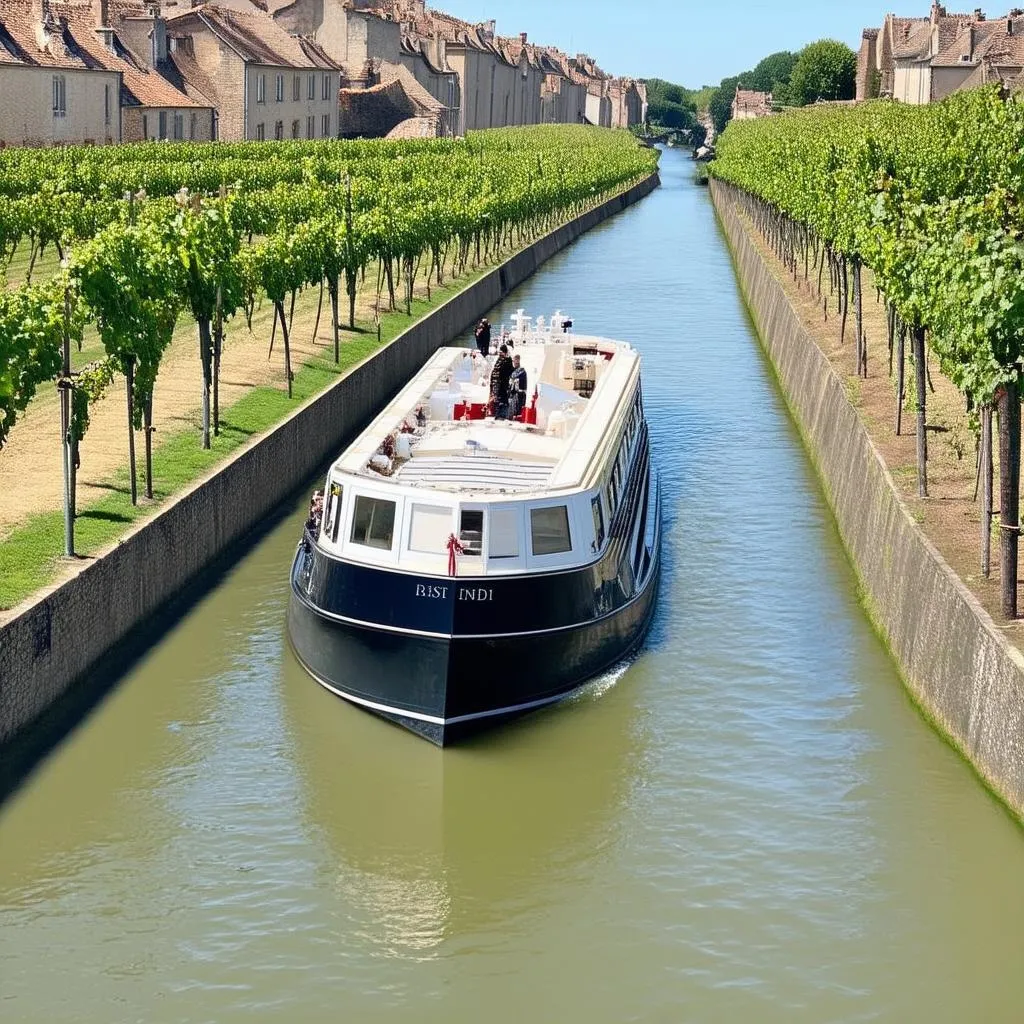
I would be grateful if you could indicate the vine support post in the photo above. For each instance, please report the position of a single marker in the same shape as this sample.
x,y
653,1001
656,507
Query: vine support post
x,y
901,375
218,345
922,433
279,306
129,376
1008,405
147,417
65,430
985,460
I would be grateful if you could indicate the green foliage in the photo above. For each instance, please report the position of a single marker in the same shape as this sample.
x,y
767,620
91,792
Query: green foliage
x,y
670,105
928,197
31,339
825,70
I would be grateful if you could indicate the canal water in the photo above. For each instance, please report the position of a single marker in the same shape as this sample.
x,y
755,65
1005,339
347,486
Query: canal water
x,y
748,822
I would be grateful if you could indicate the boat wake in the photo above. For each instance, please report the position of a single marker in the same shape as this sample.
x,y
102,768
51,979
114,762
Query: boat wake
x,y
597,688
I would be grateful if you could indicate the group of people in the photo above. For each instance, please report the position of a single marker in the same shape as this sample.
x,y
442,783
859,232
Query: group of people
x,y
508,378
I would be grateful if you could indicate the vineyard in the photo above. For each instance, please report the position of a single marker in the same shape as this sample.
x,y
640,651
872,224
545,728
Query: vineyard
x,y
124,243
929,200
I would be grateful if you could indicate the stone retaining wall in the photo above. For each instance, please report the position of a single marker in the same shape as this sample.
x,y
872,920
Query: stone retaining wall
x,y
58,637
953,657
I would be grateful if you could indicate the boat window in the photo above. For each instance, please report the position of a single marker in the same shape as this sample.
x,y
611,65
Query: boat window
x,y
429,529
503,535
373,523
549,528
332,514
595,506
471,531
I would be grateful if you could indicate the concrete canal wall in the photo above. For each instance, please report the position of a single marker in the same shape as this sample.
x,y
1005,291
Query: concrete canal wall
x,y
57,638
953,657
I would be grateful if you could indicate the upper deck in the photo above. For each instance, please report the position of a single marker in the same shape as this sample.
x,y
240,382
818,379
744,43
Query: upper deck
x,y
437,435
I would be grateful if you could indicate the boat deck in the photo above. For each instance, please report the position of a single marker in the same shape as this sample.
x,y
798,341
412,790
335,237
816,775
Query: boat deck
x,y
436,434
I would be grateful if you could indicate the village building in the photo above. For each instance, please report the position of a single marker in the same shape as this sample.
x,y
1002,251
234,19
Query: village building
x,y
921,60
749,103
264,82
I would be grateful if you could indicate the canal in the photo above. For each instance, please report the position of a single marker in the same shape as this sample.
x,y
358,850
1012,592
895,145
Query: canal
x,y
749,822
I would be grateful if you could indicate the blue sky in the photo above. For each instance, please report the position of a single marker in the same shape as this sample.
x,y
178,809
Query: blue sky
x,y
685,42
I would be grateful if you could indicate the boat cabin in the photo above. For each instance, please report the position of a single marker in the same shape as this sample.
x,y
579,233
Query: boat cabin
x,y
437,486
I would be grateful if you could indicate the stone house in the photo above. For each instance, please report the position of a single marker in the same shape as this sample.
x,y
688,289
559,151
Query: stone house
x,y
53,92
749,103
264,83
920,60
629,102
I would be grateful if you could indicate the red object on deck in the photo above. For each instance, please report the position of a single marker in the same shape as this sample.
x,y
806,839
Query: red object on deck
x,y
459,411
477,410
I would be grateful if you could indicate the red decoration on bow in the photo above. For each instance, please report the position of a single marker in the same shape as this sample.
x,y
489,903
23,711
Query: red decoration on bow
x,y
454,548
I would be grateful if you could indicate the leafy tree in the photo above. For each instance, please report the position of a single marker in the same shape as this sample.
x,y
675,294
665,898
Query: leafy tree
x,y
825,70
720,104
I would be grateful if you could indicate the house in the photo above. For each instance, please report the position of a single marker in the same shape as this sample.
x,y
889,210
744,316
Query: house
x,y
921,60
264,82
54,90
749,103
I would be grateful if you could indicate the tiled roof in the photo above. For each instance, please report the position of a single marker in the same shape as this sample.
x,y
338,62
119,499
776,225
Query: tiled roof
x,y
182,69
141,86
256,37
423,100
25,41
415,128
911,38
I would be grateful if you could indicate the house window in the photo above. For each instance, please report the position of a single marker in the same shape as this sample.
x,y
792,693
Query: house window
x,y
279,95
179,127
145,128
311,127
60,96
326,126
192,127
261,89
163,124
279,130
106,104
373,523
549,528
295,128
311,87
260,136
297,87
327,87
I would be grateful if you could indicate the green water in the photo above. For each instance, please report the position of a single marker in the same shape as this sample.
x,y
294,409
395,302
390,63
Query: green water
x,y
749,822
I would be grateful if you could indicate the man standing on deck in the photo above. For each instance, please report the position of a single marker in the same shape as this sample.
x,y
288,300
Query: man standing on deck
x,y
483,337
500,375
517,384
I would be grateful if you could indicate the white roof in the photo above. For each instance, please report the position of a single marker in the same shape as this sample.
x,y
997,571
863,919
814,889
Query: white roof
x,y
499,457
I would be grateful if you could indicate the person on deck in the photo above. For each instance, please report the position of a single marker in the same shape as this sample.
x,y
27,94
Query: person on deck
x,y
517,384
483,337
500,375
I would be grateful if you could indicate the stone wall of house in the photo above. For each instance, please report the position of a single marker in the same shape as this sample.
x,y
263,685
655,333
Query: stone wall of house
x,y
289,112
142,124
92,107
912,83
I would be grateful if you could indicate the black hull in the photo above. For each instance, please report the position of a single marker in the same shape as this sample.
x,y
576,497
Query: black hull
x,y
423,651
445,689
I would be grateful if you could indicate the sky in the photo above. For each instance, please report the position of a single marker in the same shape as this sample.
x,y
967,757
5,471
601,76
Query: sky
x,y
689,43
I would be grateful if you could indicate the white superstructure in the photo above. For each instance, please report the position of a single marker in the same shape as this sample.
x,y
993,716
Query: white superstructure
x,y
516,496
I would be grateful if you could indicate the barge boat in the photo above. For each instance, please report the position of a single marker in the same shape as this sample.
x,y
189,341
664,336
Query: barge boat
x,y
462,569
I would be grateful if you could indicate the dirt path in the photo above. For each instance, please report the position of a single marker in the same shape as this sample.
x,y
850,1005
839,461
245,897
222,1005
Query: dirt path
x,y
30,464
950,516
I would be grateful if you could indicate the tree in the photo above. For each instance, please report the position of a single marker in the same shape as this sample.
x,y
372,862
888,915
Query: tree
x,y
773,73
720,104
825,70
